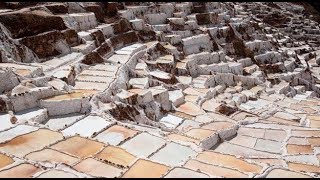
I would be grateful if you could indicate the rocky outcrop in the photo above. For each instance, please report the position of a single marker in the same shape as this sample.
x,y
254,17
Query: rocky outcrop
x,y
97,9
14,51
47,44
92,58
28,23
57,8
123,39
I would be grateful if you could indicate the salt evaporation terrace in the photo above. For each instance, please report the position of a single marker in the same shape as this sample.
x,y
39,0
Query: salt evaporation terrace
x,y
202,89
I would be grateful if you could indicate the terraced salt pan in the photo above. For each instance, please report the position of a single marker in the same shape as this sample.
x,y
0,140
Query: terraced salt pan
x,y
171,121
160,74
132,48
115,134
200,134
78,146
273,126
91,85
60,122
214,171
52,156
176,97
98,169
5,161
56,174
16,131
183,139
98,73
106,67
21,171
140,83
228,161
303,158
256,105
87,126
146,169
190,109
120,58
117,156
86,92
76,95
143,144
23,70
242,151
185,173
65,104
173,154
267,145
34,114
187,125
57,62
276,173
5,122
24,144
99,79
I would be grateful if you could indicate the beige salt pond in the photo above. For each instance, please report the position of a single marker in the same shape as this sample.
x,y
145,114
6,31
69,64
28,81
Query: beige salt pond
x,y
23,72
75,95
86,92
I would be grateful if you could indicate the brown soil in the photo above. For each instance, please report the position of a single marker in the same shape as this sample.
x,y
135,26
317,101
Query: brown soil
x,y
271,68
273,5
203,18
97,10
121,26
57,8
43,44
124,39
19,5
98,38
3,105
71,37
124,112
199,9
226,110
275,19
110,8
104,49
92,58
147,35
26,23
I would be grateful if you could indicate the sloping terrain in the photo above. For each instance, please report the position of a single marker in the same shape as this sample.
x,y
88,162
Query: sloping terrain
x,y
202,89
